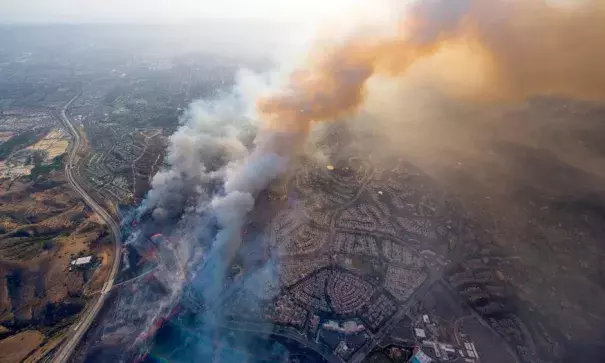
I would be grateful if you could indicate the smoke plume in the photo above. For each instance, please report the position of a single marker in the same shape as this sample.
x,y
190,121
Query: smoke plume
x,y
218,160
217,163
516,48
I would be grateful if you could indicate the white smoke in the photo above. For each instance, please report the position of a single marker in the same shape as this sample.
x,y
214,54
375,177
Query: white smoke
x,y
216,164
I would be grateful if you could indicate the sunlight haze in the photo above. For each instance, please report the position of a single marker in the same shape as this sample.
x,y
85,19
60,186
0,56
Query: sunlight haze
x,y
74,11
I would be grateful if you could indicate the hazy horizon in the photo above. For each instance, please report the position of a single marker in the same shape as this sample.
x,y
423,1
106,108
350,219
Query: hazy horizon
x,y
178,11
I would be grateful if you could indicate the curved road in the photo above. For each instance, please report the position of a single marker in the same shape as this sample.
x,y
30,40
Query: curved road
x,y
88,316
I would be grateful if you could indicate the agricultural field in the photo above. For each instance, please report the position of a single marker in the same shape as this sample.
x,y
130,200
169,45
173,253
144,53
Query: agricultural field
x,y
52,145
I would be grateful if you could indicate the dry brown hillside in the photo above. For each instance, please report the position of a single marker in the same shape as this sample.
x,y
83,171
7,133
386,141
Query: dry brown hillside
x,y
43,226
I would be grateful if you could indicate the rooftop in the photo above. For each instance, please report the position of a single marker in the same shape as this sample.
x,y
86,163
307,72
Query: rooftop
x,y
82,261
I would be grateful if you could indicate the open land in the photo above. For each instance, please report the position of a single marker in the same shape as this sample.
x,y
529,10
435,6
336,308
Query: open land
x,y
44,228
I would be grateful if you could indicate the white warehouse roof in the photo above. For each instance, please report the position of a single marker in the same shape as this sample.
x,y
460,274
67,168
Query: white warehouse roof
x,y
82,261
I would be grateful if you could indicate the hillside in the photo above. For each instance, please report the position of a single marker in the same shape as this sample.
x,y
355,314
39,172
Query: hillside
x,y
43,226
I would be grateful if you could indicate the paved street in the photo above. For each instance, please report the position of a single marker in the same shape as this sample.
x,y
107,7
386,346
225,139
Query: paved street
x,y
91,312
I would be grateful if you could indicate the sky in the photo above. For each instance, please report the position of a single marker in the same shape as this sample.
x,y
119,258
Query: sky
x,y
86,11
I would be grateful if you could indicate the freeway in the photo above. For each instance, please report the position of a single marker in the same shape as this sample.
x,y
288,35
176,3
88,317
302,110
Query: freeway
x,y
88,316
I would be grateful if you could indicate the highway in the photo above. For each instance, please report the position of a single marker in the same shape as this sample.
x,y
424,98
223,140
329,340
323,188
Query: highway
x,y
88,316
